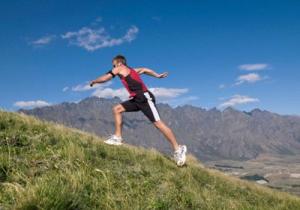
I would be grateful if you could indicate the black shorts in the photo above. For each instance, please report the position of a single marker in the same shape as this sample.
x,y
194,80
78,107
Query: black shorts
x,y
144,102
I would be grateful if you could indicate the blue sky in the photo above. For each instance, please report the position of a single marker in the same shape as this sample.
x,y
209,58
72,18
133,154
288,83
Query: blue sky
x,y
237,53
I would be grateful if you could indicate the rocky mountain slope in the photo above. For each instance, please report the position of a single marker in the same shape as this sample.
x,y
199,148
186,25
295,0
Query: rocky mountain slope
x,y
209,134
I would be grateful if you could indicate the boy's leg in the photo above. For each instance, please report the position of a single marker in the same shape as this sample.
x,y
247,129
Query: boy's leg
x,y
117,110
179,150
150,110
126,106
168,133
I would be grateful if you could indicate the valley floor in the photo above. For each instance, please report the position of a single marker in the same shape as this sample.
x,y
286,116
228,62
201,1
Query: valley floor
x,y
278,172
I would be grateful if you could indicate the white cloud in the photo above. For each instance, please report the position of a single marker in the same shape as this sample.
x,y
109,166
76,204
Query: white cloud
x,y
83,87
86,86
91,37
110,93
43,40
159,92
101,90
65,89
237,100
31,104
250,78
104,91
94,39
254,67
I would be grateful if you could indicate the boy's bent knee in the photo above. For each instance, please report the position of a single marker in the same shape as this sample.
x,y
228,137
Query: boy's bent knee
x,y
118,109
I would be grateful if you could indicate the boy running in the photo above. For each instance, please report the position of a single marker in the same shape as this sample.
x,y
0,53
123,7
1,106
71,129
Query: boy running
x,y
141,99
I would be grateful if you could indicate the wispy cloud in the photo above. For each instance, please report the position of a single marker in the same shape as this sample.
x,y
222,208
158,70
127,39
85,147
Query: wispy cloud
x,y
249,78
110,93
43,40
101,90
86,86
94,39
31,104
254,67
104,91
65,89
159,92
237,100
91,37
162,92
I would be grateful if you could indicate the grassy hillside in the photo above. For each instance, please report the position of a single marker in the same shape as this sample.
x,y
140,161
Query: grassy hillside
x,y
48,166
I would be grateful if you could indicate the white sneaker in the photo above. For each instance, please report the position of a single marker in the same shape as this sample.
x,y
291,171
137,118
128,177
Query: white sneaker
x,y
114,140
179,155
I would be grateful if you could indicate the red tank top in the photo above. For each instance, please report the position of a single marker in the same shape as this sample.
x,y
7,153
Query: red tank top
x,y
133,83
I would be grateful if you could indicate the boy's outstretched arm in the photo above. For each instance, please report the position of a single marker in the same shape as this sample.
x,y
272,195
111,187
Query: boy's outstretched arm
x,y
106,77
151,72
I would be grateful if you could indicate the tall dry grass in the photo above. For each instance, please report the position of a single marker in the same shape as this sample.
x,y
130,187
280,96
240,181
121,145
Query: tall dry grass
x,y
48,166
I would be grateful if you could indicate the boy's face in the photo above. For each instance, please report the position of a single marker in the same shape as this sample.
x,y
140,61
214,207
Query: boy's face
x,y
115,63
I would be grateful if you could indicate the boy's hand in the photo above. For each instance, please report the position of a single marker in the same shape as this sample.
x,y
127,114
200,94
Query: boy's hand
x,y
163,75
92,83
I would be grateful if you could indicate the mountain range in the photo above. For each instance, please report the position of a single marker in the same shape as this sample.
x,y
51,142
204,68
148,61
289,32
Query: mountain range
x,y
209,134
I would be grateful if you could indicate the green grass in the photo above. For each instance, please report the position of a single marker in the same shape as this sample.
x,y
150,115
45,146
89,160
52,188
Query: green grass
x,y
48,166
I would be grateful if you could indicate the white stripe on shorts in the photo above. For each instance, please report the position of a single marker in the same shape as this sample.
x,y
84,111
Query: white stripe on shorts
x,y
152,106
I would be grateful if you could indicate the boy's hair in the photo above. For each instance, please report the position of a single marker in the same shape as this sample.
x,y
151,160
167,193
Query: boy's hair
x,y
120,58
